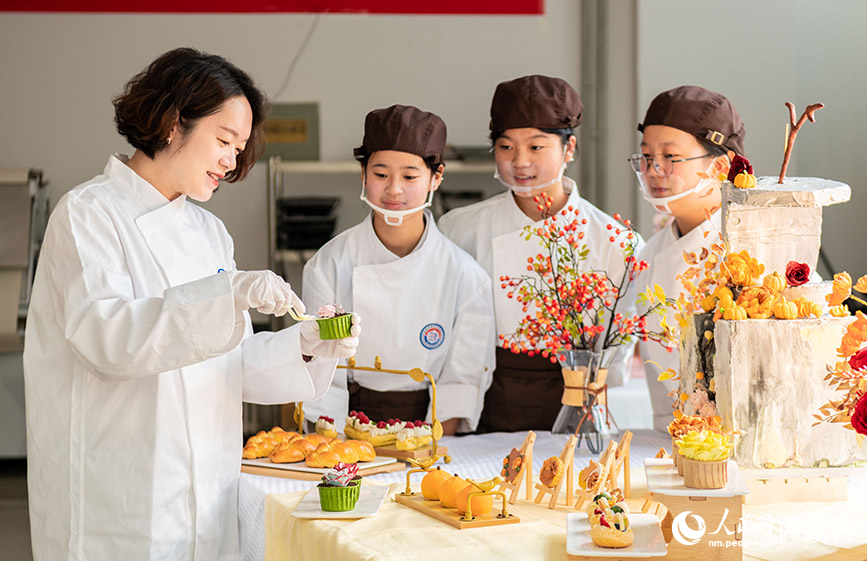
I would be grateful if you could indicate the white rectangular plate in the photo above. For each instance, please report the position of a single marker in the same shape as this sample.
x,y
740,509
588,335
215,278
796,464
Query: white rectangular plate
x,y
648,540
301,466
369,500
662,478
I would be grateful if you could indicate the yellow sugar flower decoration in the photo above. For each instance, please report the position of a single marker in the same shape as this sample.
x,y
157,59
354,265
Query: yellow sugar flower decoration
x,y
840,311
841,289
704,446
807,308
741,269
757,301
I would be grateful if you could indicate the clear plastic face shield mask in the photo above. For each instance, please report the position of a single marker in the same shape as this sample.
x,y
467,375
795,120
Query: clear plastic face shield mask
x,y
395,217
659,176
525,189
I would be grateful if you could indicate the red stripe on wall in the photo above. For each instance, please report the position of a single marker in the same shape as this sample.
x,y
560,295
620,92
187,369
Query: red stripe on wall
x,y
523,7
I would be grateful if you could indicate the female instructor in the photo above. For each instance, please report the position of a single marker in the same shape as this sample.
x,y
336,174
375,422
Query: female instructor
x,y
139,348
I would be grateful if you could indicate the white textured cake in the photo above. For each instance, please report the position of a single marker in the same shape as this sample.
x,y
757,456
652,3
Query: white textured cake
x,y
766,376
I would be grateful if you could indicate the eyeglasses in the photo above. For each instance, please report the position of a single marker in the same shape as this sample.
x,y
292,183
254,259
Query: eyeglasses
x,y
641,163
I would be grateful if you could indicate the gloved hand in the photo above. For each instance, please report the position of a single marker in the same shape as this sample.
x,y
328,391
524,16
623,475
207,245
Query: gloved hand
x,y
312,345
266,291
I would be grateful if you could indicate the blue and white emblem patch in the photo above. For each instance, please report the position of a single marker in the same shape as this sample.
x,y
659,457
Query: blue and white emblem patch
x,y
432,335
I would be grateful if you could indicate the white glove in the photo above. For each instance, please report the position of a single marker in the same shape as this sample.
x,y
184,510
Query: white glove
x,y
312,345
266,291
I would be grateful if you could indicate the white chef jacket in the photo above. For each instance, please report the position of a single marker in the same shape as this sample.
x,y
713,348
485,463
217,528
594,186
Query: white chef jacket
x,y
430,309
491,231
135,366
664,255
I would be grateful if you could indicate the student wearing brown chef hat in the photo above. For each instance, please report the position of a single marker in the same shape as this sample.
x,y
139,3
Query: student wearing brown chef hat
x,y
425,302
532,131
687,133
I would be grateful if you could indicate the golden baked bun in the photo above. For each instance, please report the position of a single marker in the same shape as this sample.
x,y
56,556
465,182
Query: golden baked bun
x,y
552,471
286,453
346,452
604,536
365,450
317,438
304,444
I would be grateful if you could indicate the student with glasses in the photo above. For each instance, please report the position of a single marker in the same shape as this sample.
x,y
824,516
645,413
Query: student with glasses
x,y
687,133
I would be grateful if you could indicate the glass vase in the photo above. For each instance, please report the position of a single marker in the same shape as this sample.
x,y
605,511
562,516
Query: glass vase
x,y
581,412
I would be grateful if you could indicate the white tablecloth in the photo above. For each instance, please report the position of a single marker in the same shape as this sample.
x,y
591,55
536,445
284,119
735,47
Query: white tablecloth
x,y
476,456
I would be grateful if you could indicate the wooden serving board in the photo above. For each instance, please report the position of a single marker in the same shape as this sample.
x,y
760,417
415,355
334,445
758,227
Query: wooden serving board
x,y
450,516
391,451
312,474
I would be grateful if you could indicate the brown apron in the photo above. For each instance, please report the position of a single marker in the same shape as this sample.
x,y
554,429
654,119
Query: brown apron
x,y
382,406
524,395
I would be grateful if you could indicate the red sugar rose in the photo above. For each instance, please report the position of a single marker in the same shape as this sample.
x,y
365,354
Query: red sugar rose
x,y
797,273
859,417
739,164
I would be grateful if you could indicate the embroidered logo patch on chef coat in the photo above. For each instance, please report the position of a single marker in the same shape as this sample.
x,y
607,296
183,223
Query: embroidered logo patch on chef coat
x,y
432,335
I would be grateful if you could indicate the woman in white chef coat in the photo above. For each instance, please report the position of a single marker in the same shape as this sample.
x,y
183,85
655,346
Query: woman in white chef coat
x,y
425,302
139,347
686,131
532,130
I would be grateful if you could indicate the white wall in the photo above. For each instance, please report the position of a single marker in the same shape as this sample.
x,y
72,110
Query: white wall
x,y
60,71
760,55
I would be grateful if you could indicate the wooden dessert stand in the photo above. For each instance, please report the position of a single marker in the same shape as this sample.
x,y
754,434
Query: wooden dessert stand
x,y
613,459
720,509
288,473
391,451
418,375
514,486
567,456
450,516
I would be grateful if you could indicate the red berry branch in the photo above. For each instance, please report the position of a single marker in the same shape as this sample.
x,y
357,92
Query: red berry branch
x,y
569,305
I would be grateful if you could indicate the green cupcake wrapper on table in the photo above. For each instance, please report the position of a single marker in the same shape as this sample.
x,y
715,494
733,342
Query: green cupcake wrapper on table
x,y
339,499
335,328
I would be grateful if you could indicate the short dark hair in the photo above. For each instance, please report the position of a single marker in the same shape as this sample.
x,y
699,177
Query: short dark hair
x,y
187,85
563,133
712,149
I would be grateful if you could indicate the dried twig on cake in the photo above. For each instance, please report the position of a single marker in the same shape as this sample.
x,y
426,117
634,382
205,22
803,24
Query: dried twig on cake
x,y
793,131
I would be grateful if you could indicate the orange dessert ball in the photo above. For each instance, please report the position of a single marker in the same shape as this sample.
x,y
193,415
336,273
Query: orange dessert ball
x,y
449,491
480,505
430,485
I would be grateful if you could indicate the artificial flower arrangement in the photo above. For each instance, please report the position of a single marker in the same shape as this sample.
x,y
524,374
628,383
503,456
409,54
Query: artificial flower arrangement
x,y
570,307
849,375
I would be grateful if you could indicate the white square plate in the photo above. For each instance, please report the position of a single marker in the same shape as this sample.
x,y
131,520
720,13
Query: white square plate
x,y
648,540
370,498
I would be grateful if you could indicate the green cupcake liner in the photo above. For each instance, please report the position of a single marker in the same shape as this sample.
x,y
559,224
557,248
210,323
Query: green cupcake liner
x,y
336,327
339,499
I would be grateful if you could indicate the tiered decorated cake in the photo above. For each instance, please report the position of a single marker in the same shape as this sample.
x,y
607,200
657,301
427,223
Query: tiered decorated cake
x,y
766,376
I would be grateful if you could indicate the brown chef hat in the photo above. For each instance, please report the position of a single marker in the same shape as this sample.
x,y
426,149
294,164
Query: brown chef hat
x,y
700,112
406,129
535,101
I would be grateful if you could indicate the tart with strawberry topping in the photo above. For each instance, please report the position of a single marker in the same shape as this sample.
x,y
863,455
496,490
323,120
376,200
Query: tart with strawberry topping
x,y
613,530
360,427
325,427
413,434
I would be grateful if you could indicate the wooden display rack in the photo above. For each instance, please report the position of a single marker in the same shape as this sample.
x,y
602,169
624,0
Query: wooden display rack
x,y
613,459
450,516
567,456
514,486
719,508
392,451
